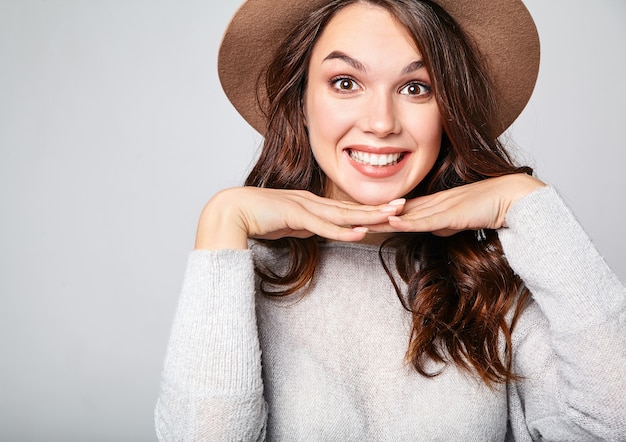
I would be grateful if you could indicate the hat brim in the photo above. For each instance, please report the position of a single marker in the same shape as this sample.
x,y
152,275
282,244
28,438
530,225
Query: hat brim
x,y
503,30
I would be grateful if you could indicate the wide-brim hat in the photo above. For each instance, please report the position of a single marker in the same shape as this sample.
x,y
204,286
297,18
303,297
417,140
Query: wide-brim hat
x,y
503,31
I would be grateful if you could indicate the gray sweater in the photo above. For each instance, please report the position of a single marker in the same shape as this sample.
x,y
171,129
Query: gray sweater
x,y
330,365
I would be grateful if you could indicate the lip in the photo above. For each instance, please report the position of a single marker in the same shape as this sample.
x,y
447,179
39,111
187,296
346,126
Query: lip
x,y
376,150
377,171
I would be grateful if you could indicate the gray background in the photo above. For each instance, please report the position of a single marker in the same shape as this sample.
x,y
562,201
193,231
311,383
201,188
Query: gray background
x,y
114,132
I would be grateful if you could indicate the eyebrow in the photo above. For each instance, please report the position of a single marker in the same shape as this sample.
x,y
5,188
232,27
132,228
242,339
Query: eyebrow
x,y
337,55
356,64
412,67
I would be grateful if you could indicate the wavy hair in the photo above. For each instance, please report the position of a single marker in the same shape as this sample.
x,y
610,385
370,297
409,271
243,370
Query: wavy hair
x,y
461,290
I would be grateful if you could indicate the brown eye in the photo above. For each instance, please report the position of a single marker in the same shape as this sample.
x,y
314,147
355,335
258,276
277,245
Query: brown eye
x,y
345,84
415,89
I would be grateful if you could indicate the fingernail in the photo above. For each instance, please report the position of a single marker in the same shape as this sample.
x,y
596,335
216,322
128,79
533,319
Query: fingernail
x,y
389,208
394,218
360,229
397,202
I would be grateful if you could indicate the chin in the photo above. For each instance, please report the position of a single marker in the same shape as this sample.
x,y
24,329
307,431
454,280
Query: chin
x,y
375,198
367,192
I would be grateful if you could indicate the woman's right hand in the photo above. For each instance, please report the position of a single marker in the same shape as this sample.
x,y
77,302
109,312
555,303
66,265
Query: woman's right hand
x,y
234,215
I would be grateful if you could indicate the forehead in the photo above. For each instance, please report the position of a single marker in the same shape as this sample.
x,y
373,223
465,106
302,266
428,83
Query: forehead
x,y
364,29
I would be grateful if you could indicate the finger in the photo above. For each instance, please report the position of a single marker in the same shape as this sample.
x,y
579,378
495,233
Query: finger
x,y
278,234
437,222
354,215
310,200
318,227
329,230
389,228
381,228
434,202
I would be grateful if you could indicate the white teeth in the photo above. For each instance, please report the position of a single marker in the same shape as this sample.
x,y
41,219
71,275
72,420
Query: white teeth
x,y
375,159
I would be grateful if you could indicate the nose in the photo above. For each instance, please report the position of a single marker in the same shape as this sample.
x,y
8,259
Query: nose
x,y
380,115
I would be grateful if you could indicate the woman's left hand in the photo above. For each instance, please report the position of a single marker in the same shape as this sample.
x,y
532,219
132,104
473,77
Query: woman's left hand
x,y
480,205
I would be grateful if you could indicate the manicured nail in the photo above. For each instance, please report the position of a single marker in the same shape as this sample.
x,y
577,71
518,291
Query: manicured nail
x,y
360,229
394,218
397,202
389,208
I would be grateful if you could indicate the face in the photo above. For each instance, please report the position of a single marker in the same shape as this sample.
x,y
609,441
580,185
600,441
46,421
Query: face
x,y
373,123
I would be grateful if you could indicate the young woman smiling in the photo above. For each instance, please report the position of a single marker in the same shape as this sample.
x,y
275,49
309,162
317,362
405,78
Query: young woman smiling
x,y
387,272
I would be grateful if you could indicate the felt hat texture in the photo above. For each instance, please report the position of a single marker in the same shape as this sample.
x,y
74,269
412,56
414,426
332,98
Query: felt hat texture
x,y
503,31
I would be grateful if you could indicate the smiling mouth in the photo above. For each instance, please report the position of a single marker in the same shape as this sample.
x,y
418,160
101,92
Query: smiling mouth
x,y
375,159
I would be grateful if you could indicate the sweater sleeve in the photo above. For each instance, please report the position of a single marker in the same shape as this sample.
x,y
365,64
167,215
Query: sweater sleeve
x,y
211,386
572,354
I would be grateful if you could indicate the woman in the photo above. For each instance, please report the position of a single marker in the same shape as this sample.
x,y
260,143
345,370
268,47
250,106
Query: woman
x,y
388,273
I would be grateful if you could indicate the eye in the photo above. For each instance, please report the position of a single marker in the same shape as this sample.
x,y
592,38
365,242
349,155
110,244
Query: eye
x,y
344,84
416,89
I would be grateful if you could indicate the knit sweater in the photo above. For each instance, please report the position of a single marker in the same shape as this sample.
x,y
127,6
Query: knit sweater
x,y
329,365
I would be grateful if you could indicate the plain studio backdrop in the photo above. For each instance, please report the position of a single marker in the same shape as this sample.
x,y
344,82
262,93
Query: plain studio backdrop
x,y
114,132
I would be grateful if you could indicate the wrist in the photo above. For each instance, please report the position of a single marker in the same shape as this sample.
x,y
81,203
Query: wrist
x,y
523,185
519,185
220,226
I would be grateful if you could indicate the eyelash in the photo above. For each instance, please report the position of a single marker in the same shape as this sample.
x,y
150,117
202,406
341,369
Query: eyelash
x,y
336,81
427,89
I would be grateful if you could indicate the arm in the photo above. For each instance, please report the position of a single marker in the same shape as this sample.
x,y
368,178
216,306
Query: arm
x,y
212,387
575,377
571,344
211,384
234,215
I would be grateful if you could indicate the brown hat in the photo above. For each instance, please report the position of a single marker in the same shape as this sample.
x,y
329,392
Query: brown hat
x,y
503,30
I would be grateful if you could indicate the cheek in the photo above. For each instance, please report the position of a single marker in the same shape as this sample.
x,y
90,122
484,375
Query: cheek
x,y
326,120
430,130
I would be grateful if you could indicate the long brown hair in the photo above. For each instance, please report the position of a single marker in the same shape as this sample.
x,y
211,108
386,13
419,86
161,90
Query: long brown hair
x,y
461,288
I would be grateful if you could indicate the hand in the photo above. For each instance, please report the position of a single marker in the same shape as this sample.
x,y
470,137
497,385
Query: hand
x,y
234,215
480,205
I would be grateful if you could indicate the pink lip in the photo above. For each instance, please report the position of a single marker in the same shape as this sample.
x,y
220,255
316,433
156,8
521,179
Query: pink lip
x,y
377,171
